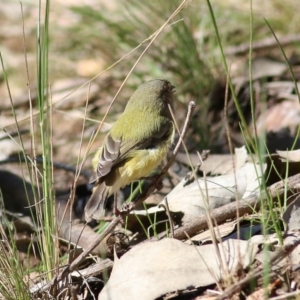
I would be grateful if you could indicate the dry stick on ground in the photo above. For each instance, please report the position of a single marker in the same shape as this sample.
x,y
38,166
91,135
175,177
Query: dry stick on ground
x,y
283,252
262,44
244,206
127,208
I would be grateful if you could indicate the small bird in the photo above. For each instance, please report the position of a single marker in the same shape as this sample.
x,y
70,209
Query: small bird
x,y
135,145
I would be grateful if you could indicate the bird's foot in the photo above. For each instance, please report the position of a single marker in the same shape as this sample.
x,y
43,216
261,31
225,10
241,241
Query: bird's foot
x,y
124,211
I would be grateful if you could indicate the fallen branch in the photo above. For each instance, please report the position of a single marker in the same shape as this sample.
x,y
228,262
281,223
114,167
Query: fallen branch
x,y
229,211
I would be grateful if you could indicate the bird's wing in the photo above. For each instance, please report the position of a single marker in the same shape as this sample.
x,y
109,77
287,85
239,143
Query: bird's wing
x,y
116,151
148,142
109,154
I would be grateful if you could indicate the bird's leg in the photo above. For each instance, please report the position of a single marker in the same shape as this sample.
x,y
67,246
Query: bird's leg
x,y
125,209
116,210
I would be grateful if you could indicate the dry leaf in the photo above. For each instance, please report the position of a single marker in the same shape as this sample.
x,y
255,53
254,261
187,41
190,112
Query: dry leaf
x,y
285,114
291,216
215,164
214,192
289,156
257,295
155,268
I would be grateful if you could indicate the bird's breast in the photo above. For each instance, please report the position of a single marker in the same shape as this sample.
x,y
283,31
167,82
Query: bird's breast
x,y
142,162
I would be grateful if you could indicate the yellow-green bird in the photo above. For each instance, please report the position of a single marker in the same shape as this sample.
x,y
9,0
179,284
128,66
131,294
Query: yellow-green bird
x,y
135,145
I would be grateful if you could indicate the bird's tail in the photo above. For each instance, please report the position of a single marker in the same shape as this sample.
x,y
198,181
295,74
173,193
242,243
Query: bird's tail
x,y
95,208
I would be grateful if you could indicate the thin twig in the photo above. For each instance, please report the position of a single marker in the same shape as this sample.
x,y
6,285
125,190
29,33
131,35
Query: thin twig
x,y
168,213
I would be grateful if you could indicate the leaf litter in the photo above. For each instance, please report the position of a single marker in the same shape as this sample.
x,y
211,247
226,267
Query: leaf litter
x,y
156,268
